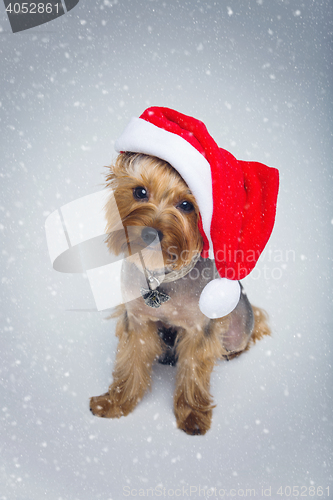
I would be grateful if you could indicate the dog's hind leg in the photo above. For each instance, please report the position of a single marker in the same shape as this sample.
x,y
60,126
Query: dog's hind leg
x,y
241,324
139,346
247,325
261,326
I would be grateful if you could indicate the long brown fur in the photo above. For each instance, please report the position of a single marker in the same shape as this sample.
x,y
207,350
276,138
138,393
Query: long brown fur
x,y
199,342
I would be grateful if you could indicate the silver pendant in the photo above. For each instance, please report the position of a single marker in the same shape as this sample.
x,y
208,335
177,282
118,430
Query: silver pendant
x,y
154,298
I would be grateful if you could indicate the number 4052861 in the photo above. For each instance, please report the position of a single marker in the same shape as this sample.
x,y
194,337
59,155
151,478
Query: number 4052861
x,y
32,8
303,491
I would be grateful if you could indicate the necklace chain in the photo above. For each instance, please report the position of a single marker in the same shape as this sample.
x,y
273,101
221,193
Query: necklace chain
x,y
153,280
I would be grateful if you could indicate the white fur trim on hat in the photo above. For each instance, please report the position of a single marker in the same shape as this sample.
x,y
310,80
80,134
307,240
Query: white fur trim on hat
x,y
141,136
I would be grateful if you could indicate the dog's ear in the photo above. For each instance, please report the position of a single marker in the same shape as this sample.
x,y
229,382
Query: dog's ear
x,y
118,168
110,176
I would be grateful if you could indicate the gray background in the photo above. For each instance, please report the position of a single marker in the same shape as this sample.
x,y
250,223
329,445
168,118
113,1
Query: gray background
x,y
258,74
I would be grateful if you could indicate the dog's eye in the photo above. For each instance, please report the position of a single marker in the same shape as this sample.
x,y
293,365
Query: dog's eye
x,y
186,206
140,193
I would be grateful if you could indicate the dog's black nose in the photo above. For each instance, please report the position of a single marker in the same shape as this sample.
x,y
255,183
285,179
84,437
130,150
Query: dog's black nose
x,y
149,234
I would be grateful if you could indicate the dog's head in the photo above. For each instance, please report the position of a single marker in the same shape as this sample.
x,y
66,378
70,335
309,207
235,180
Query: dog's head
x,y
157,210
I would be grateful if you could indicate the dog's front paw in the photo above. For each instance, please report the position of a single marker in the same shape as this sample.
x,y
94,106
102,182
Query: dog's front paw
x,y
190,420
196,422
102,406
108,406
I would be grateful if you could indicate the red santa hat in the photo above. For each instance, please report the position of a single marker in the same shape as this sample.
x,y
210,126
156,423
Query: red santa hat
x,y
236,199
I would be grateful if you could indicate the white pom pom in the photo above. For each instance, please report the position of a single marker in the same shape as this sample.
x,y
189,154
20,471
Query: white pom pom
x,y
219,298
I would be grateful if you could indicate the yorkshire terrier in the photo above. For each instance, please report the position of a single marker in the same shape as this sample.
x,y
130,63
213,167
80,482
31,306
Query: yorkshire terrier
x,y
160,219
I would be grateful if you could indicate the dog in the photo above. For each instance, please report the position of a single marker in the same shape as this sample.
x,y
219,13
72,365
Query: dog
x,y
160,218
